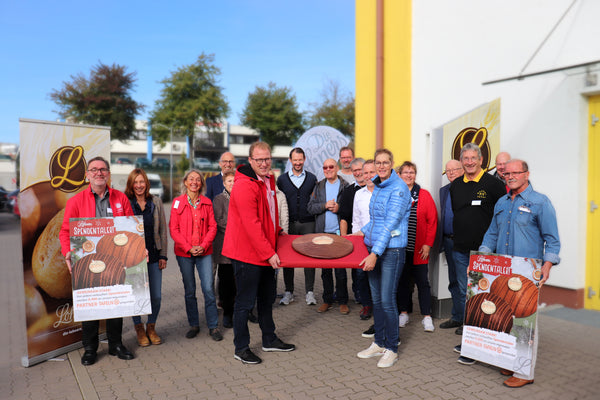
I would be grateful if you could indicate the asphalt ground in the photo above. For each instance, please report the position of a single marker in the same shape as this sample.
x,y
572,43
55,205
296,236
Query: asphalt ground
x,y
324,366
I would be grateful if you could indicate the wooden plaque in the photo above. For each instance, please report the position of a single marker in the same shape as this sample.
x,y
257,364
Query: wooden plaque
x,y
323,245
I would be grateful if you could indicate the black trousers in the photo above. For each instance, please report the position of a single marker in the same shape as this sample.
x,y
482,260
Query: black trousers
x,y
226,288
89,334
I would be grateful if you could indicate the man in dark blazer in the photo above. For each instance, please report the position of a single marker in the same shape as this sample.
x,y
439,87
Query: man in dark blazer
x,y
454,169
214,184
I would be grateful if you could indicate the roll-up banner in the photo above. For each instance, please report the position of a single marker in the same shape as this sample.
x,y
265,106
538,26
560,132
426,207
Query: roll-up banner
x,y
52,169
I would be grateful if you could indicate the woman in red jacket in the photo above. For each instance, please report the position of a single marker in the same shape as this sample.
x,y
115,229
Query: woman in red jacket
x,y
422,226
193,229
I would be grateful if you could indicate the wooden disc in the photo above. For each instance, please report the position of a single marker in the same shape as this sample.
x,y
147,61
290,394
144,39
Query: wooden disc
x,y
323,245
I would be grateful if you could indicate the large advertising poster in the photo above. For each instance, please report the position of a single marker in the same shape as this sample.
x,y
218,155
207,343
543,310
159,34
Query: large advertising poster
x,y
52,169
500,325
109,274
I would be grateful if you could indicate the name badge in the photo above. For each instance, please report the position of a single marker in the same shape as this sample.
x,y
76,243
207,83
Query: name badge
x,y
109,211
176,205
476,202
524,209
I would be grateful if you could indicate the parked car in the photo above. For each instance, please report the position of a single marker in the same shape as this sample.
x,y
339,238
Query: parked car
x,y
142,162
123,160
161,163
3,199
13,202
156,186
202,163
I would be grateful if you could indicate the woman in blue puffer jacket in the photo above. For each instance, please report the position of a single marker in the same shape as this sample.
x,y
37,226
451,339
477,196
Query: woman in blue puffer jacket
x,y
386,240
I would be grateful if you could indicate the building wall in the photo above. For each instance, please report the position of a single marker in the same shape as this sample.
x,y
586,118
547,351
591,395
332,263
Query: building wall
x,y
458,45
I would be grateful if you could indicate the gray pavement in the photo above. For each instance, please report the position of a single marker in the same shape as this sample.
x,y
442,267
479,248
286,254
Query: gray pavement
x,y
324,366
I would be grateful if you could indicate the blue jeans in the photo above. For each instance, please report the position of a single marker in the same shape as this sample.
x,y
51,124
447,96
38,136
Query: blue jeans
x,y
461,264
155,283
255,285
205,272
452,282
383,281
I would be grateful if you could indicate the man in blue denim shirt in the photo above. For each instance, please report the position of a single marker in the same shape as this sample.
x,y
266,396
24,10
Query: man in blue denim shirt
x,y
524,225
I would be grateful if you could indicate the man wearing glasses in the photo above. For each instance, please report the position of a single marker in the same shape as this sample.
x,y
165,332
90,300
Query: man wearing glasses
x,y
324,205
98,200
473,198
251,242
524,225
214,184
454,169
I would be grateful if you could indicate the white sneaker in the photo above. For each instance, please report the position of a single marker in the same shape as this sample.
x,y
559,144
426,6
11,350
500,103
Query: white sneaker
x,y
428,324
389,358
373,351
287,298
310,299
403,320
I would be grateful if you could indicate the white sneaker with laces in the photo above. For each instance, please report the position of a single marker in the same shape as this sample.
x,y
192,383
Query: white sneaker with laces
x,y
310,299
287,298
373,351
403,320
428,324
389,358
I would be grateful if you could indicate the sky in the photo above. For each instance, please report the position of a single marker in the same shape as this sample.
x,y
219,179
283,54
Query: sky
x,y
300,44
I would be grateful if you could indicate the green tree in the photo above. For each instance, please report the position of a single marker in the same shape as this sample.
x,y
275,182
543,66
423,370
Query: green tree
x,y
273,112
335,109
191,95
102,99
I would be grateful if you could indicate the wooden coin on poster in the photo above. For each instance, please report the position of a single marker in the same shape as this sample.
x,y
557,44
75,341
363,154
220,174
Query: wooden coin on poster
x,y
323,245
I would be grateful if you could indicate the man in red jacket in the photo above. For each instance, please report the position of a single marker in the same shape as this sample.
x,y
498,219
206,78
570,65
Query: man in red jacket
x,y
98,200
250,242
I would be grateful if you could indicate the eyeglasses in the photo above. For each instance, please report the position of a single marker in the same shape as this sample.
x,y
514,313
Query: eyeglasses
x,y
262,160
95,171
509,174
382,163
453,170
227,161
408,173
326,167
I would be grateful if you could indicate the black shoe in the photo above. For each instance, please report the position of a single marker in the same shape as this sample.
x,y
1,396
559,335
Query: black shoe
x,y
121,352
88,357
247,357
227,322
278,345
369,332
215,334
193,332
457,349
252,317
465,360
459,330
450,324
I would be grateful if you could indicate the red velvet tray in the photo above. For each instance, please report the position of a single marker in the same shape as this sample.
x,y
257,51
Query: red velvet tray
x,y
290,258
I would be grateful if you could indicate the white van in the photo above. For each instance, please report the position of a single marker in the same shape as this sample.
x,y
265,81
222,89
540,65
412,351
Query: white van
x,y
156,186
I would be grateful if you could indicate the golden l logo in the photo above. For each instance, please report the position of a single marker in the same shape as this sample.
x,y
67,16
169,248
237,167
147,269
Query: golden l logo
x,y
67,169
473,135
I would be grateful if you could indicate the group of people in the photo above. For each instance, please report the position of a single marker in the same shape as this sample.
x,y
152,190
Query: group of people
x,y
236,225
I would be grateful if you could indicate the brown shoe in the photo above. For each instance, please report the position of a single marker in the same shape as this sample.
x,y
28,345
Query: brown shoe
x,y
154,338
514,382
142,339
324,307
506,372
344,309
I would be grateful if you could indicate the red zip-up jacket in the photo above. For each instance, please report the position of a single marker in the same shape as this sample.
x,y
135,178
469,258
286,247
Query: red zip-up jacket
x,y
83,205
426,225
180,225
250,236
